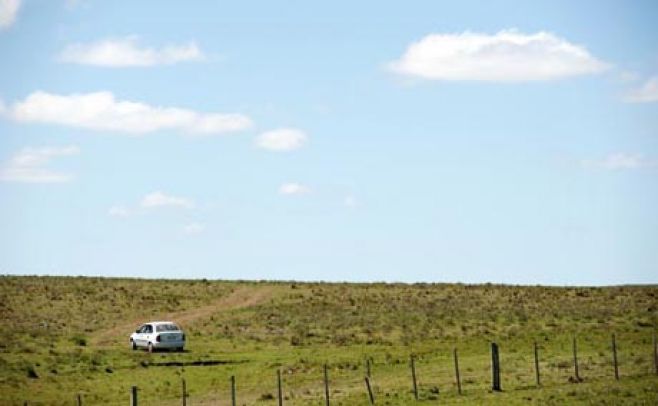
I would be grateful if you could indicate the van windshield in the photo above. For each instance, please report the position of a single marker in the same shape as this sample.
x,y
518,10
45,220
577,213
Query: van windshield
x,y
166,327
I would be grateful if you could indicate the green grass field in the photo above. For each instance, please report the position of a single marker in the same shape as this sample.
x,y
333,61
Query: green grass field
x,y
62,336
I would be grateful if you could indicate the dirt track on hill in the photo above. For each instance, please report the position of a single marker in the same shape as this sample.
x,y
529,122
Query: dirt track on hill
x,y
241,297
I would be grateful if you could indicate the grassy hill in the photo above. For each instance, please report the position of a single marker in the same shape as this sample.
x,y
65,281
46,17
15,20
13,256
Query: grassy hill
x,y
63,336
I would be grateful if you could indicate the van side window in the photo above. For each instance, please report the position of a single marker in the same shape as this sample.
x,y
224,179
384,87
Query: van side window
x,y
148,329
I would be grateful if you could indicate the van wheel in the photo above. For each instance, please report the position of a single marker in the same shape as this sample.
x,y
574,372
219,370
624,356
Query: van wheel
x,y
133,346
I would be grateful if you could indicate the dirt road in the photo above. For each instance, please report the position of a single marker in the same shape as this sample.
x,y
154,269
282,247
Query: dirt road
x,y
241,297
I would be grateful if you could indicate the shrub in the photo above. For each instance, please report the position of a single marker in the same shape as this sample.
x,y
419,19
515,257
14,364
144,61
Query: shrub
x,y
266,396
79,340
31,372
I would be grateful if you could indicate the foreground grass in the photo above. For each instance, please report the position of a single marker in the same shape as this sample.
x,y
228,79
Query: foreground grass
x,y
63,336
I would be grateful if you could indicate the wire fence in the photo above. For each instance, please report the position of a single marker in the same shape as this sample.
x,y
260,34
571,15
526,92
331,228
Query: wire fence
x,y
378,380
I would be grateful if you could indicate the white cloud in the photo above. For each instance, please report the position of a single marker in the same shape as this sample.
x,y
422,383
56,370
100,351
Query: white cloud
x,y
100,111
151,201
620,161
126,52
30,165
159,199
194,228
628,76
647,93
350,202
282,139
8,11
507,56
293,189
119,211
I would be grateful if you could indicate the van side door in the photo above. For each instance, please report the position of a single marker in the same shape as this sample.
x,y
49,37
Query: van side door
x,y
148,334
140,336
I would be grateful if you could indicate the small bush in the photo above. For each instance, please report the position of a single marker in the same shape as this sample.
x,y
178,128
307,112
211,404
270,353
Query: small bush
x,y
96,360
296,341
31,372
79,340
266,396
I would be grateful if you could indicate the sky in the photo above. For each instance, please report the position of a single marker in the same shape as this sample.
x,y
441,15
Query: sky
x,y
419,141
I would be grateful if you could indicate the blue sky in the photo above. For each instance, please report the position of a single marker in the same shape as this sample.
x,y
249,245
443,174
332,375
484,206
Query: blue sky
x,y
506,141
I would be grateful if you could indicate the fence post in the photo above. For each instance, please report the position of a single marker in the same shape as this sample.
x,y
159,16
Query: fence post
x,y
459,383
326,386
133,396
413,376
575,360
184,392
655,352
537,364
278,381
233,400
495,368
370,395
614,356
79,399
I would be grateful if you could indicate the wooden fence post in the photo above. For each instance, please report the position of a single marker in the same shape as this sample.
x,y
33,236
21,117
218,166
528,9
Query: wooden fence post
x,y
326,386
537,364
133,396
575,360
278,382
370,395
233,397
495,368
413,376
614,356
459,383
184,392
79,399
655,352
